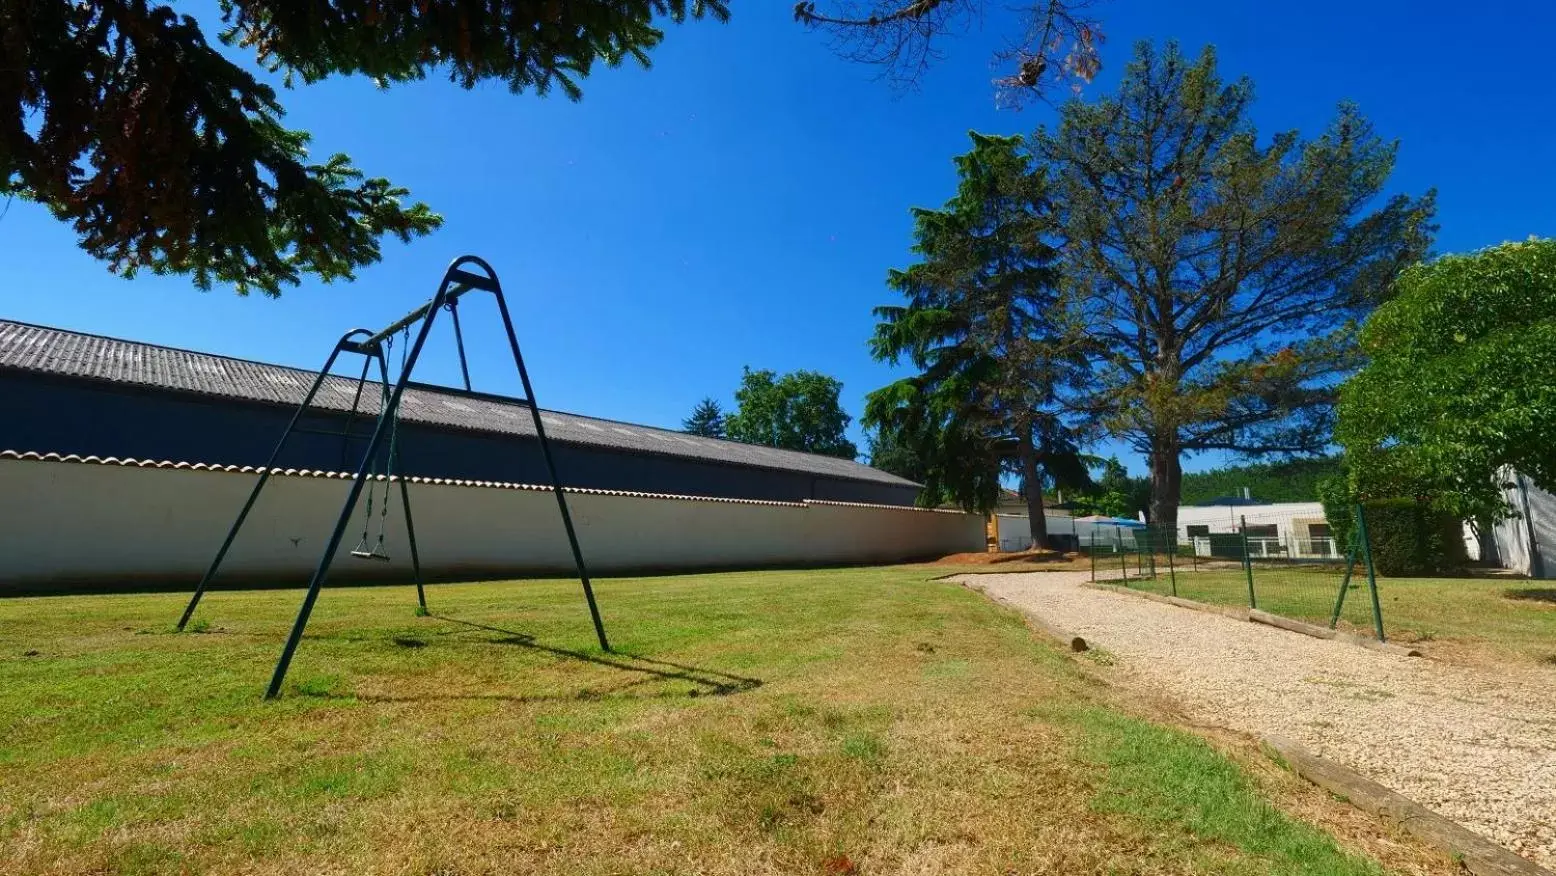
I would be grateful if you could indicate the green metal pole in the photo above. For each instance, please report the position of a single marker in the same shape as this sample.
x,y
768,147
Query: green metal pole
x,y
1123,558
545,454
264,476
1372,575
1093,553
1150,545
385,416
1242,527
1172,568
1345,583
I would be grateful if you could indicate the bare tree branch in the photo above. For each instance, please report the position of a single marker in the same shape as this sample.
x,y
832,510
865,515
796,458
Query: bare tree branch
x,y
1058,45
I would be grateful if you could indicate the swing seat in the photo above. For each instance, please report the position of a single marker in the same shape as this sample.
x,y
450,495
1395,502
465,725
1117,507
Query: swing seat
x,y
374,554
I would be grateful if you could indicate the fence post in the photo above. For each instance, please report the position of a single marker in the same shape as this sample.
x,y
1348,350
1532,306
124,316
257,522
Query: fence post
x,y
1150,546
1242,527
1123,558
1172,569
1372,575
1345,581
1093,553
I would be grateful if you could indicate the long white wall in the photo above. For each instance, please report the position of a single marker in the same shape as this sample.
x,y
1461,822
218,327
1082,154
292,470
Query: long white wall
x,y
65,523
1015,531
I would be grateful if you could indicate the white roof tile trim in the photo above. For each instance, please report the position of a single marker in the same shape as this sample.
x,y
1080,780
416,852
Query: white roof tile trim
x,y
34,456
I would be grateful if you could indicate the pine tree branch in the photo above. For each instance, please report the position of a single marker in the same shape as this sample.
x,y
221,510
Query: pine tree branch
x,y
164,155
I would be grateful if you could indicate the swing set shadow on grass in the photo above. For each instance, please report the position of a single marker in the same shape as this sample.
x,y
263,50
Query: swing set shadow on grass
x,y
464,274
650,670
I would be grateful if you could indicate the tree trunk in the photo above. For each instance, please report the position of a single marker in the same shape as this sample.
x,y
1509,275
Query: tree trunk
x,y
1032,485
1166,480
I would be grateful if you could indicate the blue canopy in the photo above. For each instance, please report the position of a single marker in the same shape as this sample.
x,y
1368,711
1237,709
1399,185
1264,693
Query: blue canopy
x,y
1098,520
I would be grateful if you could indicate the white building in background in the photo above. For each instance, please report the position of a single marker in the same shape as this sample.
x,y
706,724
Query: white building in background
x,y
1525,544
1284,530
1011,531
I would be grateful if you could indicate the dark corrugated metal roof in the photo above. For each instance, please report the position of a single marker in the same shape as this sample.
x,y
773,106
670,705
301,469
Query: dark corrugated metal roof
x,y
44,350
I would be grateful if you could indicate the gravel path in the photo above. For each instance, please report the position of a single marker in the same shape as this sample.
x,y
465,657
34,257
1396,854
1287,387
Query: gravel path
x,y
1475,745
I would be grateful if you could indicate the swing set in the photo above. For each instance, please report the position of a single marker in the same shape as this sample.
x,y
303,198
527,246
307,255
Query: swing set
x,y
380,461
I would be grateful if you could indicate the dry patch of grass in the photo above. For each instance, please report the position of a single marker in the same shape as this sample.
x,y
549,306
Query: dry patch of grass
x,y
837,722
1037,560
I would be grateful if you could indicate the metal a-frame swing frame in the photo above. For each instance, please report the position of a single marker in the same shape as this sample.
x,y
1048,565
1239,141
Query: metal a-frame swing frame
x,y
465,274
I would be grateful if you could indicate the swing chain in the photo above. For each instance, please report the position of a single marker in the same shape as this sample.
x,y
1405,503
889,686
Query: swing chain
x,y
391,465
377,551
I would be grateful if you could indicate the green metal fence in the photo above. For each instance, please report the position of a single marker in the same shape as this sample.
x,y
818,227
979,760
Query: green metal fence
x,y
1282,563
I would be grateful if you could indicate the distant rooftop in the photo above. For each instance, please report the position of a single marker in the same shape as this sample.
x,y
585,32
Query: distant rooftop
x,y
43,350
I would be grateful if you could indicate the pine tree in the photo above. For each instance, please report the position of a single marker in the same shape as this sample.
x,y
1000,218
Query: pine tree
x,y
983,324
707,420
165,155
1222,277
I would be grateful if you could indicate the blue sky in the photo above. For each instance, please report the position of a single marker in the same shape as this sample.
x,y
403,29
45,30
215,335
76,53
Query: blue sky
x,y
740,203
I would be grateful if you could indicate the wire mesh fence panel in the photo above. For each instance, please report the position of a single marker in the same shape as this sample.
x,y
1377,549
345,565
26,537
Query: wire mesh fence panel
x,y
1134,556
1284,562
1298,567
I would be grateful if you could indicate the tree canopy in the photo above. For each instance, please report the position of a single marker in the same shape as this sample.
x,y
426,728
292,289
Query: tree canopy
x,y
885,450
164,155
798,411
982,323
1287,480
1116,493
1220,276
1460,382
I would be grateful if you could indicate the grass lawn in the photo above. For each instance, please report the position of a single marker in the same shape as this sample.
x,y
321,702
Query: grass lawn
x,y
1481,617
827,722
1492,615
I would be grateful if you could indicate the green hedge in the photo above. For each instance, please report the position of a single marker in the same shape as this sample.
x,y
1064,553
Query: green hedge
x,y
1339,509
1409,538
1228,545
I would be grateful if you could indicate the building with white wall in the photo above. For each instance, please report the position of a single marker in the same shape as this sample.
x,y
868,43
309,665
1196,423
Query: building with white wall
x,y
1525,542
73,523
152,452
1286,530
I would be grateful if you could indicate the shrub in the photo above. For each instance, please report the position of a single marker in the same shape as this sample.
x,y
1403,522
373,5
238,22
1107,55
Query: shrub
x,y
1409,538
1460,381
1226,545
1339,508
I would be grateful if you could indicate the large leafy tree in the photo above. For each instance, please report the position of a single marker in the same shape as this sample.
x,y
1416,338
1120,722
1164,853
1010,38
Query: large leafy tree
x,y
707,420
983,325
164,155
1221,275
1116,493
798,411
1460,384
